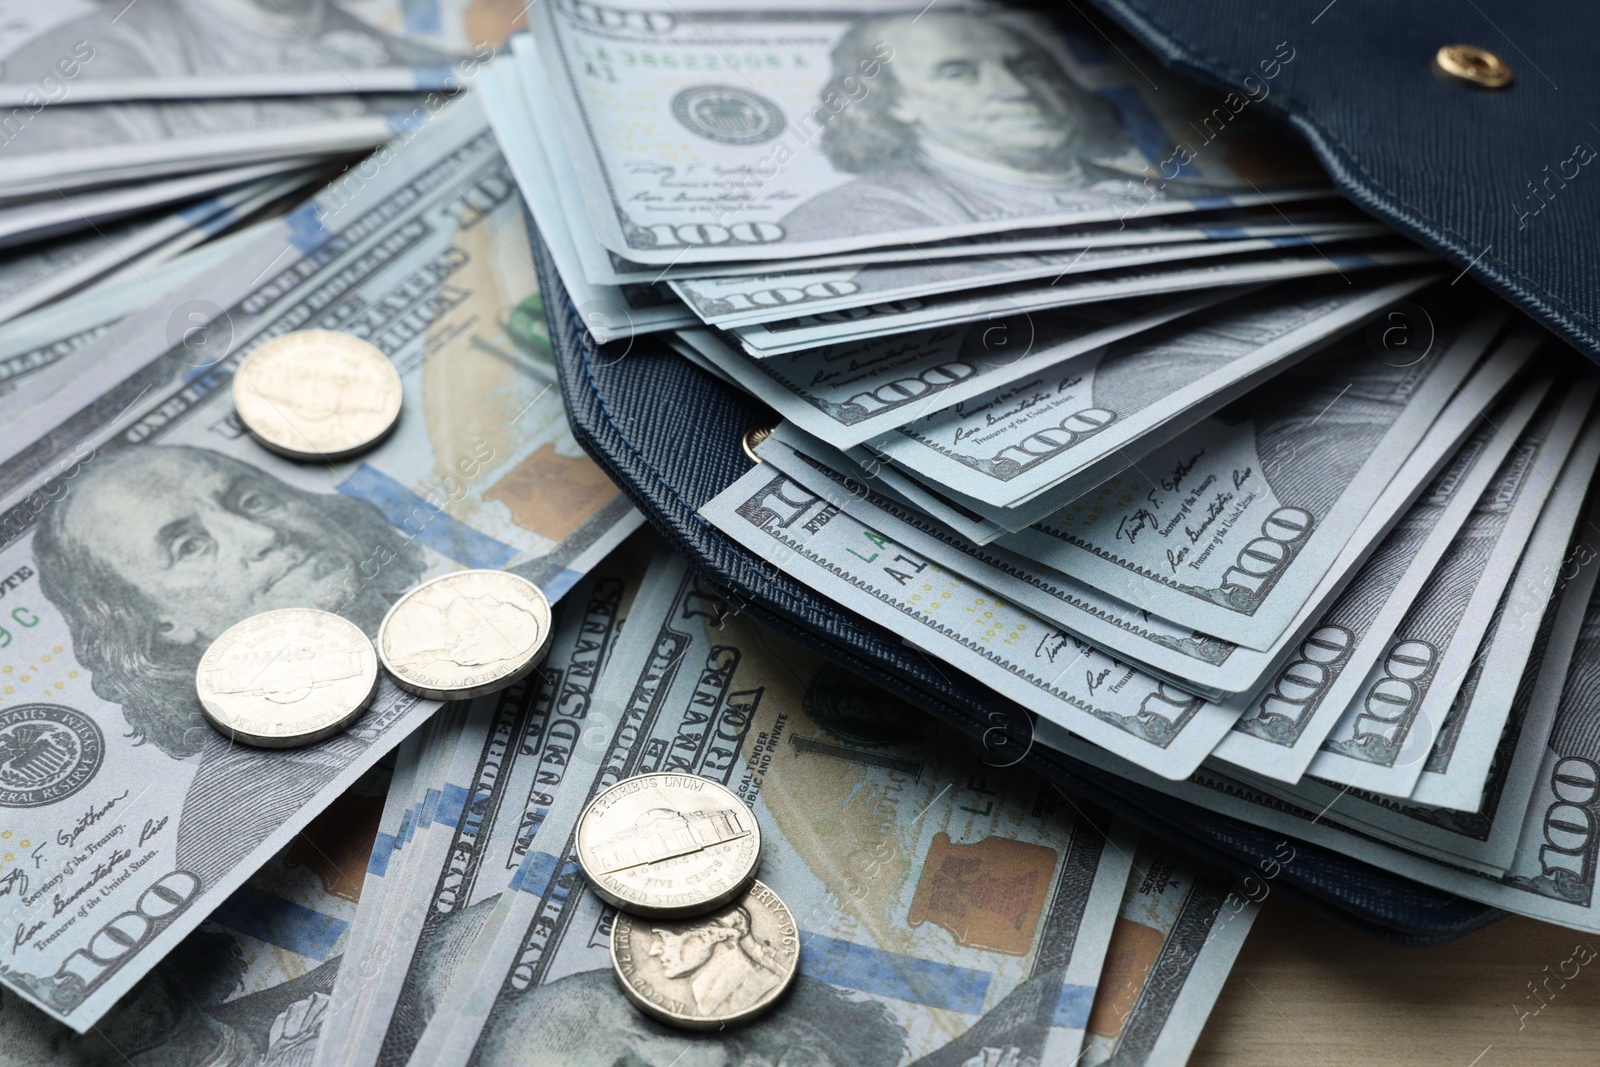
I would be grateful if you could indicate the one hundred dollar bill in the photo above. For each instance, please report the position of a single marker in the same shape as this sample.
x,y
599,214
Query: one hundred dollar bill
x,y
1286,724
1231,525
784,132
850,393
1382,741
1479,829
602,266
1044,667
1193,661
1007,301
1553,869
516,761
83,51
1180,928
897,849
142,522
755,298
1055,434
251,986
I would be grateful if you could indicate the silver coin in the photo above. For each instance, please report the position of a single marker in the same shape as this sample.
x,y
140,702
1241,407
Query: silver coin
x,y
712,970
668,845
465,634
286,678
317,394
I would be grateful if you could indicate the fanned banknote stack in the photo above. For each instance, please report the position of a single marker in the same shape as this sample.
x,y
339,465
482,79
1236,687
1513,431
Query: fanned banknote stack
x,y
131,132
1083,387
949,912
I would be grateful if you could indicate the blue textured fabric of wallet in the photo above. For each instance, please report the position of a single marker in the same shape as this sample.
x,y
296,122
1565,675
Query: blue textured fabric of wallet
x,y
1505,183
1501,182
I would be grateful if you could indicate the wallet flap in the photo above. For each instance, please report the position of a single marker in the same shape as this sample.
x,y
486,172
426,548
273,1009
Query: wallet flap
x,y
1503,182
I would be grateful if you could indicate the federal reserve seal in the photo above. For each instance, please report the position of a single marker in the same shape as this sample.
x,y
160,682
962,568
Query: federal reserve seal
x,y
727,114
47,752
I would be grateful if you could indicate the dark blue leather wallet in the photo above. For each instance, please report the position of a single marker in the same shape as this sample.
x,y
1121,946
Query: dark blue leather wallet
x,y
1463,171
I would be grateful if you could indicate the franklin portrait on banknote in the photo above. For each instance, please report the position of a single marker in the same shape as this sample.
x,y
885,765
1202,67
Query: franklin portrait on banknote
x,y
969,121
156,551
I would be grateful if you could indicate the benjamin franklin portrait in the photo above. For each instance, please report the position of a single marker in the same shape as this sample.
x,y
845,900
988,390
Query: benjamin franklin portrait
x,y
968,122
152,552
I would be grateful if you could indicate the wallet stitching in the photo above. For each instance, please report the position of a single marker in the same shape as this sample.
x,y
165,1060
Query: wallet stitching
x,y
1215,67
1350,164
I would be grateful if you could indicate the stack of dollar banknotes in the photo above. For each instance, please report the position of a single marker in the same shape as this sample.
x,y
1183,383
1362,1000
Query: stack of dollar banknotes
x,y
131,133
1083,383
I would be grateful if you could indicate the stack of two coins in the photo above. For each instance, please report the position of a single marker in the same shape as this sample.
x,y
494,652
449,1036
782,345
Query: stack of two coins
x,y
698,942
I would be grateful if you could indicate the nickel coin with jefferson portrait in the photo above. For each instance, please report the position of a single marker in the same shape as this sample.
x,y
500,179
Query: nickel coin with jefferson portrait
x,y
712,970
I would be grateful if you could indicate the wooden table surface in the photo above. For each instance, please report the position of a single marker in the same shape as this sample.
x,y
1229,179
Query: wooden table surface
x,y
1307,991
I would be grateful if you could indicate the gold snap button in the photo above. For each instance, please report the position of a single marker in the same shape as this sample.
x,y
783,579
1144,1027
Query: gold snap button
x,y
1476,66
754,437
